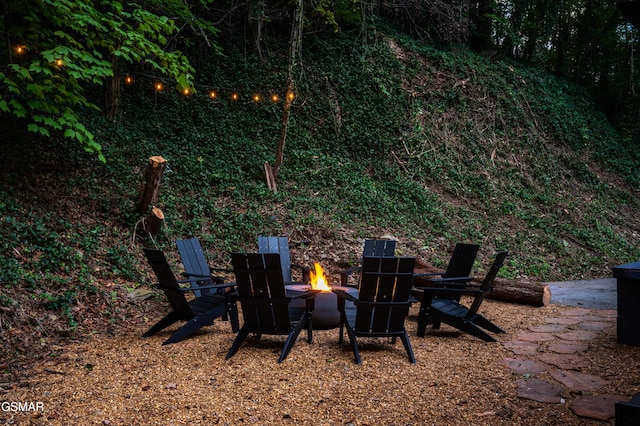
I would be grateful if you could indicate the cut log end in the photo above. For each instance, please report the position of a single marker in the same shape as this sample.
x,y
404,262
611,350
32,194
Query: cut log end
x,y
156,160
153,222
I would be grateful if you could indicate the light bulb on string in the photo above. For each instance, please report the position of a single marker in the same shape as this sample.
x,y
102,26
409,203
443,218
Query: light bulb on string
x,y
59,62
20,49
128,79
213,94
234,97
256,98
291,96
186,91
159,87
275,98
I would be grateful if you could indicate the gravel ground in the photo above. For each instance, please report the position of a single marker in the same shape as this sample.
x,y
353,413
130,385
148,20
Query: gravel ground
x,y
122,379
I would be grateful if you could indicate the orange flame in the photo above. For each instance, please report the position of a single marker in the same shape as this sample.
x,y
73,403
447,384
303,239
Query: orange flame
x,y
319,279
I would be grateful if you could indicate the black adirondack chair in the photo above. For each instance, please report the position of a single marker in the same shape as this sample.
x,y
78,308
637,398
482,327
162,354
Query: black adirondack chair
x,y
381,301
197,313
457,275
459,266
266,303
280,245
196,266
373,248
453,313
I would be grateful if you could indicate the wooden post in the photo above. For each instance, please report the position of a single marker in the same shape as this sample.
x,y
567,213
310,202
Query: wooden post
x,y
151,185
271,180
153,222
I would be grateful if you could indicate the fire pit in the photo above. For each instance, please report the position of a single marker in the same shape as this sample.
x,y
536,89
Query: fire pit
x,y
325,314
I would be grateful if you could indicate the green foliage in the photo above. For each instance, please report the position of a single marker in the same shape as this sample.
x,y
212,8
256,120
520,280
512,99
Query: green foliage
x,y
386,137
68,47
61,302
123,263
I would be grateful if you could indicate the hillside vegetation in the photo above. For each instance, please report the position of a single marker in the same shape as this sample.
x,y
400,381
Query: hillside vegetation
x,y
387,137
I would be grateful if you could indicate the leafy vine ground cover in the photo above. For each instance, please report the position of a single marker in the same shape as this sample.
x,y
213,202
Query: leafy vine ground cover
x,y
386,137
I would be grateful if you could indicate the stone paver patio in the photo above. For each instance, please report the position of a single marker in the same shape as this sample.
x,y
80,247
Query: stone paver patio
x,y
555,348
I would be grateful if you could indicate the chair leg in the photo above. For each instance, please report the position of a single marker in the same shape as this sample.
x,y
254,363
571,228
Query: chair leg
x,y
309,327
194,324
469,328
407,345
354,343
423,319
242,334
165,322
292,337
232,308
481,321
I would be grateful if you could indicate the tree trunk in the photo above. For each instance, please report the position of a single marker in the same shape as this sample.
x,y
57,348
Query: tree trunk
x,y
112,97
294,51
151,185
482,26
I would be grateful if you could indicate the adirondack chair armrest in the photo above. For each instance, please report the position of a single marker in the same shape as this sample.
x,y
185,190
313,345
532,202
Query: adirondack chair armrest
x,y
458,282
195,277
468,291
203,287
304,294
190,274
343,294
346,293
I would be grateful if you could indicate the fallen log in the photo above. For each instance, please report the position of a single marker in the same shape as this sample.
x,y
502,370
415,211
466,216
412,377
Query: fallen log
x,y
522,292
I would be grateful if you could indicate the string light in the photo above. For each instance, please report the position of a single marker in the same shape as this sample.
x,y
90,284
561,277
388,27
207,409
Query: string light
x,y
158,86
20,50
59,62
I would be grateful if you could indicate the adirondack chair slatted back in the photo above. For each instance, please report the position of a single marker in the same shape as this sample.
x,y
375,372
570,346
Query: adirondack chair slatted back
x,y
379,248
167,281
261,291
462,259
278,245
383,300
194,261
488,282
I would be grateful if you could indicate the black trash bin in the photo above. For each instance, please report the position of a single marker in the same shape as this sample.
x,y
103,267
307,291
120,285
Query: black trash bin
x,y
628,278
